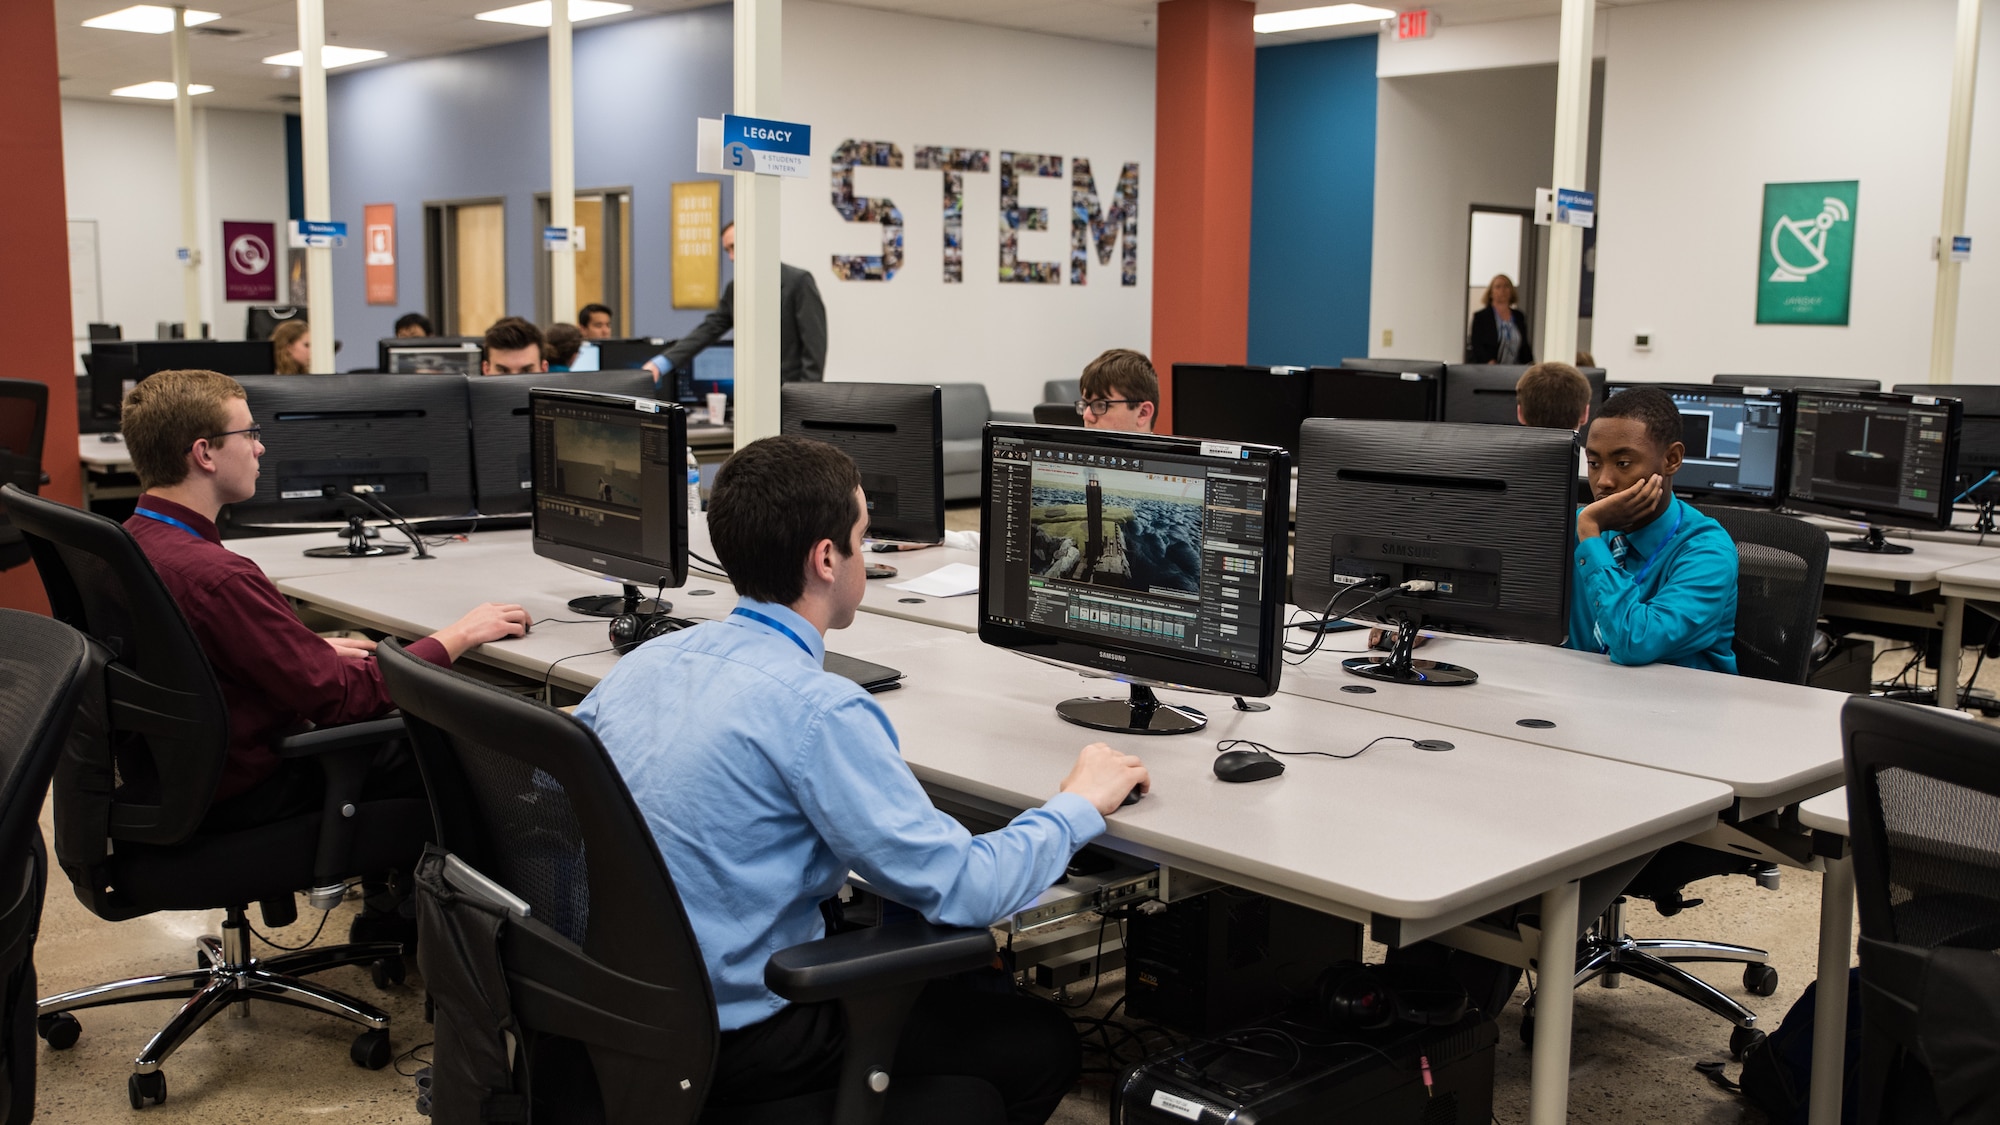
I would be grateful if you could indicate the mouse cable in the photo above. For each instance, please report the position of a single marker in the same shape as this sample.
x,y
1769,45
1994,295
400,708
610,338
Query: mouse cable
x,y
709,563
1228,744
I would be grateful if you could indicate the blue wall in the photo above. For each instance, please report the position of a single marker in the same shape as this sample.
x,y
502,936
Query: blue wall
x,y
1312,212
476,125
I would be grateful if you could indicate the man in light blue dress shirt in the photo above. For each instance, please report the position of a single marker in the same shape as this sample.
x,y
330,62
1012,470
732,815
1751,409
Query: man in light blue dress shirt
x,y
765,779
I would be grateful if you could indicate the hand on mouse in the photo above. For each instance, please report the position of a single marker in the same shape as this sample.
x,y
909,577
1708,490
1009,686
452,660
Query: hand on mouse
x,y
1104,776
490,622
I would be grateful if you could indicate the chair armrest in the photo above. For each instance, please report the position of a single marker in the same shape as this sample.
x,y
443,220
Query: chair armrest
x,y
344,754
867,960
347,736
1012,416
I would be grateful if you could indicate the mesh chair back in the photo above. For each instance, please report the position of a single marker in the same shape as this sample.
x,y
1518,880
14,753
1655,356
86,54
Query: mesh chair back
x,y
169,727
1780,569
44,669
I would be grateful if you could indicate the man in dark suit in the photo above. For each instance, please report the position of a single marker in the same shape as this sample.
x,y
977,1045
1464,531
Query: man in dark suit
x,y
801,326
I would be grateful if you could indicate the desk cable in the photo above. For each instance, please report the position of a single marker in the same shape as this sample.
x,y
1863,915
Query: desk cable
x,y
1305,651
1428,744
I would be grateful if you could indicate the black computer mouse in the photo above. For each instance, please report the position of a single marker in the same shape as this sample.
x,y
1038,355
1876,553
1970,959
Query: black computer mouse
x,y
1131,798
1247,765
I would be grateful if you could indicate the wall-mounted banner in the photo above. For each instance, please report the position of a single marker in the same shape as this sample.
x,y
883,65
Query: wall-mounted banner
x,y
378,249
697,246
250,261
1805,267
305,233
771,148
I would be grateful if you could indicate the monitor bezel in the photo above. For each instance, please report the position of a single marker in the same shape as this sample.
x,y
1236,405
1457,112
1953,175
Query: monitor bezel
x,y
623,568
1882,517
1432,382
1733,499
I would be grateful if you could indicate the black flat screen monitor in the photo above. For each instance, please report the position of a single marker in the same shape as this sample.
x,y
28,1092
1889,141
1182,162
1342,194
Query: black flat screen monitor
x,y
1978,436
262,320
1737,441
430,355
503,478
1396,366
1057,414
1252,405
1485,512
1384,396
115,365
406,438
1798,382
1885,459
895,434
611,490
1484,392
1154,560
629,354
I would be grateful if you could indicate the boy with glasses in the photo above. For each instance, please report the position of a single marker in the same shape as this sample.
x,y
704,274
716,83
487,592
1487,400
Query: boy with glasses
x,y
1120,392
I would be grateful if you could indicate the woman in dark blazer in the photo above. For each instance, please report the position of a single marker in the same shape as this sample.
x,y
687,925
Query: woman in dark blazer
x,y
1499,331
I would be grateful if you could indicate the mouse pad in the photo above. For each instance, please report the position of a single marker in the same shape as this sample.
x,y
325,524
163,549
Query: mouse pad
x,y
872,677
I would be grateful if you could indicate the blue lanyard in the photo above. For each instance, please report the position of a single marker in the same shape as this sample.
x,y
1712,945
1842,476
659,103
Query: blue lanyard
x,y
1655,556
774,623
164,518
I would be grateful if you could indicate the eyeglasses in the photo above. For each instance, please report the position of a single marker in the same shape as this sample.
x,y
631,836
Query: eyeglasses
x,y
1099,407
256,434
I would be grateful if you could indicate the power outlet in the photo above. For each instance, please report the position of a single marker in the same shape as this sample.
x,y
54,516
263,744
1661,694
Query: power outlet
x,y
1388,337
1643,342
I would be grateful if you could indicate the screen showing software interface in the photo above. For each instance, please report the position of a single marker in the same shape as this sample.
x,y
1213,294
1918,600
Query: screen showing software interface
x,y
1733,442
1881,455
601,469
1131,548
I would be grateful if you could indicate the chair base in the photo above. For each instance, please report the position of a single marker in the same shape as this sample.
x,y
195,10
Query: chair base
x,y
1607,953
231,977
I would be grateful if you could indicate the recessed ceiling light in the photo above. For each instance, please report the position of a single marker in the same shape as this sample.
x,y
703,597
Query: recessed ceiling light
x,y
540,14
330,57
149,19
159,90
1298,19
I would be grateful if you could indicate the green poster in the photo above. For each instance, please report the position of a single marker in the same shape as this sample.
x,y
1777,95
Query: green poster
x,y
1805,267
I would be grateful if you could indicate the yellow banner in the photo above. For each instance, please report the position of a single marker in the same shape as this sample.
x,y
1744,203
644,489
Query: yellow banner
x,y
697,260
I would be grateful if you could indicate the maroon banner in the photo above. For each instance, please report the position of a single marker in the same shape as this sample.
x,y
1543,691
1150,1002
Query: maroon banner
x,y
249,261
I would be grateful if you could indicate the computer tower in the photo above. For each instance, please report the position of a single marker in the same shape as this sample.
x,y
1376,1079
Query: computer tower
x,y
1228,958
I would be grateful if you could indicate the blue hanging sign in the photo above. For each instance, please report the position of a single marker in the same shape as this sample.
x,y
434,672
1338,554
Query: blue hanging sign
x,y
303,233
770,148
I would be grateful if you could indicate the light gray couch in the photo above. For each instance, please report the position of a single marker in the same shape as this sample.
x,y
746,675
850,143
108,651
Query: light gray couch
x,y
966,412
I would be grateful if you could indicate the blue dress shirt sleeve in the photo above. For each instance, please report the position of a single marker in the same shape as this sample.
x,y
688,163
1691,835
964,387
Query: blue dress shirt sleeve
x,y
1698,590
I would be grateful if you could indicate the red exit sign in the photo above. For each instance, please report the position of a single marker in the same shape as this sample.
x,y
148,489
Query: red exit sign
x,y
1420,24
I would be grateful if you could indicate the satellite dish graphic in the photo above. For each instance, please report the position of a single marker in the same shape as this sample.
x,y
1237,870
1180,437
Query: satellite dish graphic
x,y
1796,239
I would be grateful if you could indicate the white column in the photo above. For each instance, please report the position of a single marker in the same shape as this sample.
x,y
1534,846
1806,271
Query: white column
x,y
184,149
1565,281
759,84
562,161
1957,157
319,204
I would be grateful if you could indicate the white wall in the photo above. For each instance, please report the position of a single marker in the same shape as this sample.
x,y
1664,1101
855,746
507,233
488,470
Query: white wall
x,y
1708,100
853,73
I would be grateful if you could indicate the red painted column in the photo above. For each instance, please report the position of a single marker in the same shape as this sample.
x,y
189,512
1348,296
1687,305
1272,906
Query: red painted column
x,y
34,253
1205,88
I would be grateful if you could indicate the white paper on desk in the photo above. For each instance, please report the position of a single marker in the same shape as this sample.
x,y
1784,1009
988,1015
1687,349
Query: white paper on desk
x,y
947,581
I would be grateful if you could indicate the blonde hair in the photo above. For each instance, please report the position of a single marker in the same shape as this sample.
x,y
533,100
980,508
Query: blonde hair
x,y
166,413
282,340
1486,298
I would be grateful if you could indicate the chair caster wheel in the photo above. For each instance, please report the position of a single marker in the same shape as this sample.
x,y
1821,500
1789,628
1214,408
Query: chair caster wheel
x,y
370,1049
1742,1039
147,1088
1760,980
387,972
60,1031
1527,1029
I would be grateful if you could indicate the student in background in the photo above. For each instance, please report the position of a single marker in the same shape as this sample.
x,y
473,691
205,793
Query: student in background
x,y
1499,331
595,320
564,341
513,347
1120,392
413,324
1553,396
291,348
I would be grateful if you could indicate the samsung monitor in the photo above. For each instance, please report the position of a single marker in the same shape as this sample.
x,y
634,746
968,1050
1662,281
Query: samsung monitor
x,y
1482,514
430,355
1254,405
1736,441
262,320
1978,438
628,354
1383,396
1158,561
1476,392
503,479
610,492
402,441
1432,367
895,434
115,366
1883,459
1798,382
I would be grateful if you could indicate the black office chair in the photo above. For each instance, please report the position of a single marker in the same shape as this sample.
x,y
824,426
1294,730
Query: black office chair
x,y
599,979
130,799
24,418
46,669
1923,809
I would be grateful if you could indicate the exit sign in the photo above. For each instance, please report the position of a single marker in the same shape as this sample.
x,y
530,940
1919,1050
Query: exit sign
x,y
1420,24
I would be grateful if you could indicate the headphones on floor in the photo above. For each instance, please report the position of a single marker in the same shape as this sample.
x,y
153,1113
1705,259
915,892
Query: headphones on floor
x,y
1370,997
630,630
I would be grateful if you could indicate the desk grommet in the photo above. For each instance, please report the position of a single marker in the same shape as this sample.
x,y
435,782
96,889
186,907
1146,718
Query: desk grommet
x,y
1358,689
911,601
1535,724
699,593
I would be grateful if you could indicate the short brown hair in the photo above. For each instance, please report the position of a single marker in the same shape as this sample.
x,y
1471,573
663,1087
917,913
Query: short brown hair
x,y
166,413
1553,396
773,501
565,340
1122,373
511,334
282,340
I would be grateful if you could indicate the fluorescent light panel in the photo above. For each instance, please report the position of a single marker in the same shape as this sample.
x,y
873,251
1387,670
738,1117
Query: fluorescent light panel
x,y
330,57
540,14
1299,19
148,19
159,90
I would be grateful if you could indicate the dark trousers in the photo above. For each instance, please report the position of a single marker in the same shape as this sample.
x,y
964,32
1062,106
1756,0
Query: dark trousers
x,y
1021,1046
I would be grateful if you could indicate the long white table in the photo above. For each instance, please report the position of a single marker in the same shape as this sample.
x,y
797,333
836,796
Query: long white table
x,y
1907,575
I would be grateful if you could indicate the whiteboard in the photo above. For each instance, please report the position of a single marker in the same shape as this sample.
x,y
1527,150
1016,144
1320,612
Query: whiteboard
x,y
86,292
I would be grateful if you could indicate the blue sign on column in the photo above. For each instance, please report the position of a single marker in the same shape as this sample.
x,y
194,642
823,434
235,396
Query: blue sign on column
x,y
773,148
1576,208
306,233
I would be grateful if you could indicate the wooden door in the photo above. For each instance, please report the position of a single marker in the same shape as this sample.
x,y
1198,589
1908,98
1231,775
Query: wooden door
x,y
589,260
480,239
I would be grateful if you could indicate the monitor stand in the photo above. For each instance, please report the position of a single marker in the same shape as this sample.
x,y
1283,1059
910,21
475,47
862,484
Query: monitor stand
x,y
1399,668
1872,543
1984,524
1143,713
616,605
357,545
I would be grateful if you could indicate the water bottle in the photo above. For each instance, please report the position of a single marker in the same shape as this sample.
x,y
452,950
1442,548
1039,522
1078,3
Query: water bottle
x,y
694,485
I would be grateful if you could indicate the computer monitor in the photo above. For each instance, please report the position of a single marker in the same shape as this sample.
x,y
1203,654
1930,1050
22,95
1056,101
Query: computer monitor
x,y
503,478
714,373
895,434
1395,366
1485,512
1484,392
324,435
115,365
1978,440
1057,414
1736,441
628,354
100,331
1158,561
1798,382
1884,459
262,320
610,492
1255,405
430,355
1377,395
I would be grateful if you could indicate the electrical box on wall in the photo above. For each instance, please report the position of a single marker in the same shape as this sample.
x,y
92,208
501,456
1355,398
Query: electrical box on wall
x,y
1643,342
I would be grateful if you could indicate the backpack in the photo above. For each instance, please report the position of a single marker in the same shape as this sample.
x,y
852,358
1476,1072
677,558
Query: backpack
x,y
1777,1070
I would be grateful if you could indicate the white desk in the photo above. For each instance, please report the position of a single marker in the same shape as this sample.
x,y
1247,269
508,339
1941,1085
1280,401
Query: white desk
x,y
1914,573
283,556
960,613
1826,814
101,461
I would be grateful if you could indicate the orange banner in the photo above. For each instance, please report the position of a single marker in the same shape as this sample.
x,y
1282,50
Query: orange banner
x,y
378,243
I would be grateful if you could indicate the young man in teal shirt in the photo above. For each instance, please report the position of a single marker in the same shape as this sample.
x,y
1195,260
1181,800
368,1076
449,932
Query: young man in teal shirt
x,y
1655,579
